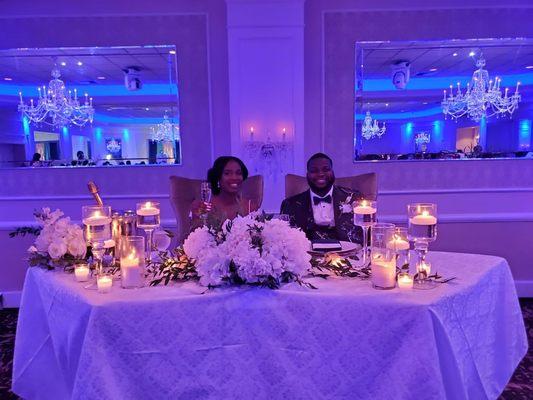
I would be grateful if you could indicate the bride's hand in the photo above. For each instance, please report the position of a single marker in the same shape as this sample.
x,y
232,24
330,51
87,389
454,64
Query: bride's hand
x,y
200,207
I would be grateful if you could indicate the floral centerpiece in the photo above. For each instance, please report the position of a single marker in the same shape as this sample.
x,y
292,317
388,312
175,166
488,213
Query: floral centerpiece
x,y
251,250
59,242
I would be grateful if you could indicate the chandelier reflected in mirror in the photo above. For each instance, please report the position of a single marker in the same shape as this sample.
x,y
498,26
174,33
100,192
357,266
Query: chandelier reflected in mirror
x,y
56,106
482,98
165,131
370,128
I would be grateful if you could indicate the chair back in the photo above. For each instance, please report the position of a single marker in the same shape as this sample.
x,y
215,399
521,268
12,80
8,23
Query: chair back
x,y
183,191
366,184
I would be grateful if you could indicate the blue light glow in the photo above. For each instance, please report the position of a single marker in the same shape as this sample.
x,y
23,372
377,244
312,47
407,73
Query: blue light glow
x,y
443,83
524,134
438,127
65,131
98,134
127,120
407,132
126,134
152,89
405,115
26,126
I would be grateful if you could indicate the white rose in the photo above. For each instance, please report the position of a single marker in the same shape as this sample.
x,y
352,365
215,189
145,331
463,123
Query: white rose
x,y
57,249
32,249
44,239
77,248
62,226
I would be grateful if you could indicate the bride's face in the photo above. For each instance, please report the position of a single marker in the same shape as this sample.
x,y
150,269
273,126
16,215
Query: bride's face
x,y
231,179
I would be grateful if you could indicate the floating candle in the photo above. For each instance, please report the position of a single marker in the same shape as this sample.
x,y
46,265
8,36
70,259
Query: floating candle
x,y
81,272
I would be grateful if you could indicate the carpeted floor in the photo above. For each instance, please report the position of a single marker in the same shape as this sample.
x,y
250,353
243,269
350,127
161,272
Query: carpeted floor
x,y
520,387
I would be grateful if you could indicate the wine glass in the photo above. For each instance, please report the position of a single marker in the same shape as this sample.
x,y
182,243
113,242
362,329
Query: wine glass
x,y
205,195
148,218
364,215
97,222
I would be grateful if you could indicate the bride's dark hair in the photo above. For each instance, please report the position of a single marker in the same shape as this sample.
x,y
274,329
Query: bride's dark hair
x,y
215,172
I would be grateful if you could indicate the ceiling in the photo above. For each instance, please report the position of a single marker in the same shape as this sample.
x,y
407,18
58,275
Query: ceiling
x,y
503,57
103,66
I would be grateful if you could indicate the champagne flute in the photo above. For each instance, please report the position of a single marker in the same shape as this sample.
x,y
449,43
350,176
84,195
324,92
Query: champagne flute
x,y
205,195
149,218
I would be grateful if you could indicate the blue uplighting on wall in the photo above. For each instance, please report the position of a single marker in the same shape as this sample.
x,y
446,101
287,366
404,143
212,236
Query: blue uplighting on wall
x,y
443,83
98,134
126,120
403,115
65,131
26,126
407,130
126,135
151,89
524,134
437,134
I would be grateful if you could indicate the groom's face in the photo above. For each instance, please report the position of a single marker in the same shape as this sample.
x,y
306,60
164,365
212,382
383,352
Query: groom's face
x,y
320,176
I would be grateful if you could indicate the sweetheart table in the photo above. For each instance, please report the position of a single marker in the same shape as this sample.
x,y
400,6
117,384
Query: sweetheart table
x,y
346,340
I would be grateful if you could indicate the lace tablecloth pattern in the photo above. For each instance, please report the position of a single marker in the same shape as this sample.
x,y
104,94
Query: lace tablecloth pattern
x,y
345,340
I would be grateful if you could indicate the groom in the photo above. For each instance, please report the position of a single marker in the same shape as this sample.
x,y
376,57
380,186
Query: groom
x,y
323,211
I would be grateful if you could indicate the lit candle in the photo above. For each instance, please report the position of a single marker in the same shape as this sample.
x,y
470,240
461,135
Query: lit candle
x,y
81,272
363,208
405,281
383,273
147,210
104,283
423,219
398,244
131,271
424,267
97,219
251,133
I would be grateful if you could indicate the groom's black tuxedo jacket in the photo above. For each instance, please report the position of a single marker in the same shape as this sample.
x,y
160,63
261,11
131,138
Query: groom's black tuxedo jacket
x,y
300,211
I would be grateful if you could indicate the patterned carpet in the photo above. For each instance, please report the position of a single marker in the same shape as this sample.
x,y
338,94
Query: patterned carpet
x,y
520,387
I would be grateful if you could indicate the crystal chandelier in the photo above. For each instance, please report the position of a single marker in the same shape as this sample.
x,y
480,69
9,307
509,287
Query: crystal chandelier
x,y
483,97
371,129
57,107
166,131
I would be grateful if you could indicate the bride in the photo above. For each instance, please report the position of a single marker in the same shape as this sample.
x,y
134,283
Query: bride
x,y
225,179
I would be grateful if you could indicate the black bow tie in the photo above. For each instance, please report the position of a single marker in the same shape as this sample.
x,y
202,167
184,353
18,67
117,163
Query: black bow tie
x,y
317,200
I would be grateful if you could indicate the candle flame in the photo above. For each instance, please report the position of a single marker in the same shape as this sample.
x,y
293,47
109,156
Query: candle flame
x,y
148,204
97,214
364,203
425,213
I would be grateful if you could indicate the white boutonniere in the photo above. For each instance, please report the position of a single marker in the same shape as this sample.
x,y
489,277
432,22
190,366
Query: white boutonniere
x,y
346,206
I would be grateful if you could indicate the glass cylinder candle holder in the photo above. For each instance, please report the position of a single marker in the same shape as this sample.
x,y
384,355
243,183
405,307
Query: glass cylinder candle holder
x,y
382,257
401,246
422,226
82,272
104,282
364,215
423,271
132,261
148,218
97,222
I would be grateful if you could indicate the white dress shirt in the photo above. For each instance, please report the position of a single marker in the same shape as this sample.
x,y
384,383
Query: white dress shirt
x,y
323,212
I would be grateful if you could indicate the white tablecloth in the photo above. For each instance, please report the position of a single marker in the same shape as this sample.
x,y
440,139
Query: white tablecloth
x,y
345,340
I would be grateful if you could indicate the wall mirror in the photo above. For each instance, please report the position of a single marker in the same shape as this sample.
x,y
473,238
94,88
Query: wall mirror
x,y
89,106
443,99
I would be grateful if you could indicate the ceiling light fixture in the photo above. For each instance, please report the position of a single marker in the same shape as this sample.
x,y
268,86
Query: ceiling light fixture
x,y
56,106
370,128
7,78
79,63
482,98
